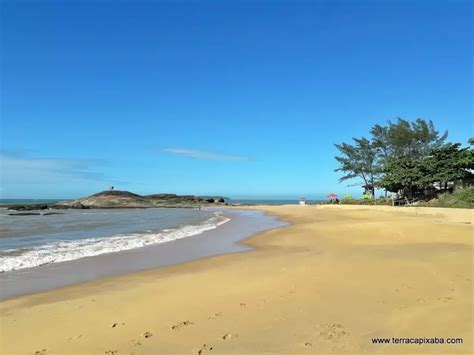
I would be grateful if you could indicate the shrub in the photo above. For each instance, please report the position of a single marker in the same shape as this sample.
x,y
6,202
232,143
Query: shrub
x,y
367,202
462,198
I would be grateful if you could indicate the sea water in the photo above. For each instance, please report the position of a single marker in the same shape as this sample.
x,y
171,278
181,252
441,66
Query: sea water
x,y
31,241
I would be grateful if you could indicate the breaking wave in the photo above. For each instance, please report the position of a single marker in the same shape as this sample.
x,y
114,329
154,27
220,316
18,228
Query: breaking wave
x,y
59,251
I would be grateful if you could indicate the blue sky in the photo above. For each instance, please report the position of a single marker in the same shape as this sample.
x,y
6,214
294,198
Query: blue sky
x,y
237,98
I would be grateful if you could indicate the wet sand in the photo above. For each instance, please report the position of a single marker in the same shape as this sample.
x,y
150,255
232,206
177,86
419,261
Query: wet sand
x,y
222,240
333,280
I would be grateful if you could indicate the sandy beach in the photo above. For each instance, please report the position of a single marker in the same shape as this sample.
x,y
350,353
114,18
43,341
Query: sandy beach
x,y
333,280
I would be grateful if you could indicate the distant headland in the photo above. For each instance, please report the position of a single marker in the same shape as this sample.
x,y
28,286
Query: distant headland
x,y
126,199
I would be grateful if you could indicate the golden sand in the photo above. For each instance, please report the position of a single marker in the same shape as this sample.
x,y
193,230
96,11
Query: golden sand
x,y
337,277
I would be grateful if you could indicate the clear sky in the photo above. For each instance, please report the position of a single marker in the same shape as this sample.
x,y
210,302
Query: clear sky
x,y
236,98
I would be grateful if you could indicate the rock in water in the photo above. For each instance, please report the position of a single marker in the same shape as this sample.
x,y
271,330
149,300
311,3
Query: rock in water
x,y
25,214
79,206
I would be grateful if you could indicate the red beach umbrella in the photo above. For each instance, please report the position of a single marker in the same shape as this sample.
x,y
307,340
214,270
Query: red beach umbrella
x,y
332,195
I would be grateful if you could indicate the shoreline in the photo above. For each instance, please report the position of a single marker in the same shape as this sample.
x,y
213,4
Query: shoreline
x,y
330,281
224,239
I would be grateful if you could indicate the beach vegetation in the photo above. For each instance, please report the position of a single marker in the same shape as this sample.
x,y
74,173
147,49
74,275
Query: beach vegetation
x,y
411,159
461,198
367,202
427,176
359,160
406,139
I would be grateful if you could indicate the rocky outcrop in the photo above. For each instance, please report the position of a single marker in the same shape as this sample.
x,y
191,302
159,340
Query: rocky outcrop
x,y
25,214
116,193
161,196
174,200
109,199
32,207
126,199
79,206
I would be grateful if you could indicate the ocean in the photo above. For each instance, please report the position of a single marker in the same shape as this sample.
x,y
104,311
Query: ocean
x,y
5,202
30,241
25,201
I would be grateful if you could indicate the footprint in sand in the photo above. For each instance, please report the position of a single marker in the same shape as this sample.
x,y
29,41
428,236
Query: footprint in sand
x,y
182,324
446,299
116,325
40,352
308,344
147,335
205,349
136,342
111,352
77,337
229,336
333,332
215,315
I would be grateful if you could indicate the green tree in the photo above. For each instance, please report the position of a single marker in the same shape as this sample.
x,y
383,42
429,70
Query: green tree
x,y
406,175
450,163
406,139
444,165
394,156
359,161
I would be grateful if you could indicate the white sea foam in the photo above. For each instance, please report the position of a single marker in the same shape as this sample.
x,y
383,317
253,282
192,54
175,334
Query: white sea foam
x,y
76,249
